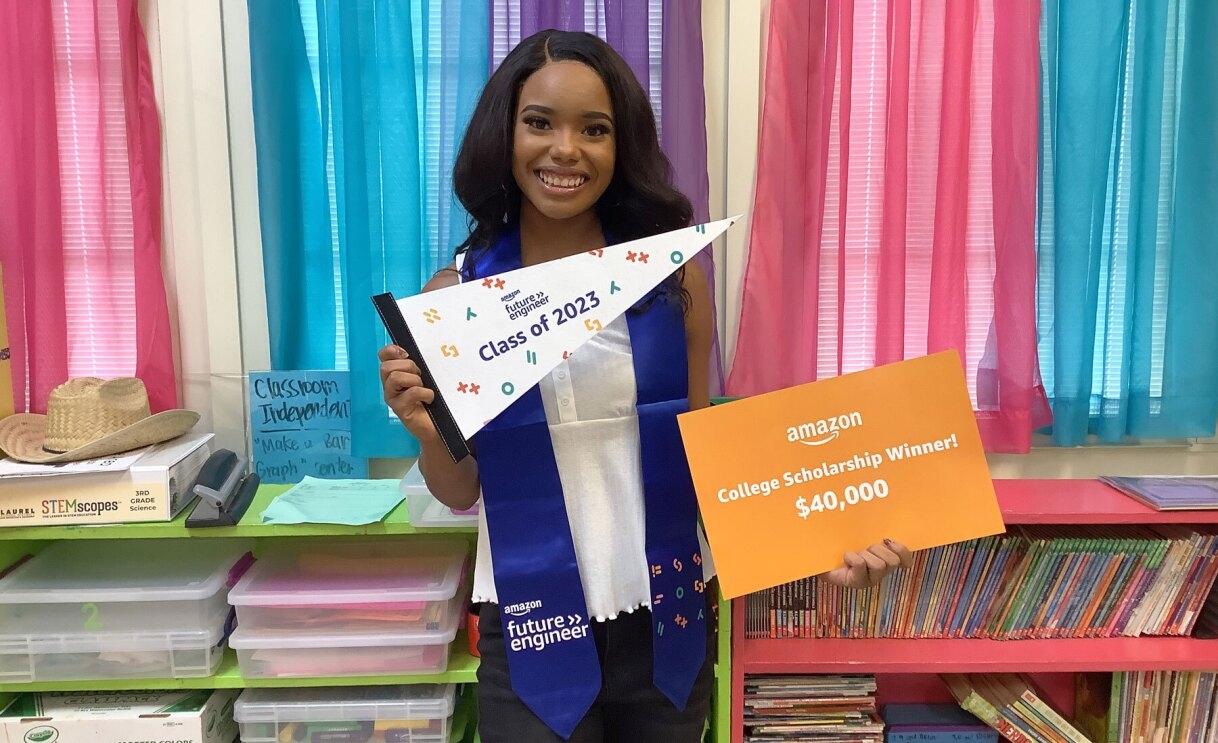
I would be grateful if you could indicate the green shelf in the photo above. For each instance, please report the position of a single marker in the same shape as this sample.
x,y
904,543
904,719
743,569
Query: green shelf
x,y
463,720
397,522
462,669
16,542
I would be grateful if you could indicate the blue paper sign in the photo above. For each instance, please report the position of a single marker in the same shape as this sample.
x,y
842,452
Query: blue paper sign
x,y
301,424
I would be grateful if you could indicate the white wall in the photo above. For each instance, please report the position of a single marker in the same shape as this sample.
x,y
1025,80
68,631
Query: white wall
x,y
734,40
214,251
187,51
210,206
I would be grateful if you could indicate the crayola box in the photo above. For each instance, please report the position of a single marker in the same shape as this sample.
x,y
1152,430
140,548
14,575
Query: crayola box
x,y
120,717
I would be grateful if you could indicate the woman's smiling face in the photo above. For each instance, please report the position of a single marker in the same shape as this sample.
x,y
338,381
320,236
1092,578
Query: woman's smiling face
x,y
564,147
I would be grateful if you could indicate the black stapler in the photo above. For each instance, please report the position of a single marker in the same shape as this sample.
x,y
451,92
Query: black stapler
x,y
225,490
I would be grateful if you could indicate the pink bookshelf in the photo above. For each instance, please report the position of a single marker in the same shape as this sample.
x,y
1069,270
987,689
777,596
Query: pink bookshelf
x,y
1022,502
1082,502
976,656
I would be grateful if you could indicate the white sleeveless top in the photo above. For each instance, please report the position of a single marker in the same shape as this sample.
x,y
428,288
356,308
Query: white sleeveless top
x,y
590,407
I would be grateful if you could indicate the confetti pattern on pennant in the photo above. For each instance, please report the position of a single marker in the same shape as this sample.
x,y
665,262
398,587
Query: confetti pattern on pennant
x,y
520,324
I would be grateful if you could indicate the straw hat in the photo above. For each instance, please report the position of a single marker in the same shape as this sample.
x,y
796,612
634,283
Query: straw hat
x,y
88,418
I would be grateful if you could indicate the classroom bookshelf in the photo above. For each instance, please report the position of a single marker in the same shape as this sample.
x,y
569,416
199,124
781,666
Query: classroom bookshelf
x,y
17,542
907,669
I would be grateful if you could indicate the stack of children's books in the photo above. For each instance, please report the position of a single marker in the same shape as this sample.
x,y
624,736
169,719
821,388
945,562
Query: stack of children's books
x,y
1010,704
811,709
1035,582
1153,706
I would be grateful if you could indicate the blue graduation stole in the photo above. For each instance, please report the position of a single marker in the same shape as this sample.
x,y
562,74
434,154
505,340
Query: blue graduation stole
x,y
552,657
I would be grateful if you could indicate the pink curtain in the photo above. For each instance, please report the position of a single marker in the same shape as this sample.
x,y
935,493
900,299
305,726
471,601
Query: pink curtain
x,y
154,341
80,206
895,201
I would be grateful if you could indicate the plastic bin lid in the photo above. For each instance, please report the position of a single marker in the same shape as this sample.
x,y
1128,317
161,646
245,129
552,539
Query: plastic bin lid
x,y
379,571
335,704
254,639
425,510
76,571
413,483
110,642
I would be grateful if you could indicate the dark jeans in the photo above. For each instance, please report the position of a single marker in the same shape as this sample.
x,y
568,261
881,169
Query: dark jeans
x,y
629,709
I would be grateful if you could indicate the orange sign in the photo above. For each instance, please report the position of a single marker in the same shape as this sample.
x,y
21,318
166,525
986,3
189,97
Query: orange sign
x,y
791,480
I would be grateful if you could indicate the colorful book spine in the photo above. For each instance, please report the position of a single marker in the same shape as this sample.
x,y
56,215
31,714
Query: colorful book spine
x,y
974,702
981,555
1033,583
1023,686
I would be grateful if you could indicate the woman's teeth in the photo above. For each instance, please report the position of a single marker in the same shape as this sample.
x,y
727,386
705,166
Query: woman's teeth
x,y
561,181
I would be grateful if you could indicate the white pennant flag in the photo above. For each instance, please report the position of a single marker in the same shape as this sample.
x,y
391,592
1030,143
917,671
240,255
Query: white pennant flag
x,y
486,342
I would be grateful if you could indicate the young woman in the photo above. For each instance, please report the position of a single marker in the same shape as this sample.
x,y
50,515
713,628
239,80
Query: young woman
x,y
579,511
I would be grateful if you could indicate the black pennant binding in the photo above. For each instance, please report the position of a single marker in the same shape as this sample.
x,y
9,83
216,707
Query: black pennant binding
x,y
441,416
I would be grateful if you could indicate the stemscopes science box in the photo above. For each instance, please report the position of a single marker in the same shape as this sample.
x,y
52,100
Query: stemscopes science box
x,y
156,487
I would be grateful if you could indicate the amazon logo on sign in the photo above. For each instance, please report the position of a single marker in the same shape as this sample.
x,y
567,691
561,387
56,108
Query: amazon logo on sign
x,y
819,432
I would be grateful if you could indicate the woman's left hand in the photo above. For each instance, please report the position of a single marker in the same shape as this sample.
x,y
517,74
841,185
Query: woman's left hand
x,y
869,567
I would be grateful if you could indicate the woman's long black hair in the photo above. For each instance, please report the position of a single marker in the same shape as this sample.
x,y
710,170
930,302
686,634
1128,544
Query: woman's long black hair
x,y
640,200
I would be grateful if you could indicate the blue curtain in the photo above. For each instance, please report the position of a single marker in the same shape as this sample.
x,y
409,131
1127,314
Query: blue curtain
x,y
1128,220
359,106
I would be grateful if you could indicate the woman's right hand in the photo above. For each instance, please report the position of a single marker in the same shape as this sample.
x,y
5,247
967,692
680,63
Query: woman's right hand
x,y
404,391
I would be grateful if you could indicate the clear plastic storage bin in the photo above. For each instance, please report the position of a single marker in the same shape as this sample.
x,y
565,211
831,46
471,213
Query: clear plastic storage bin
x,y
111,655
268,654
419,713
425,511
339,587
118,609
